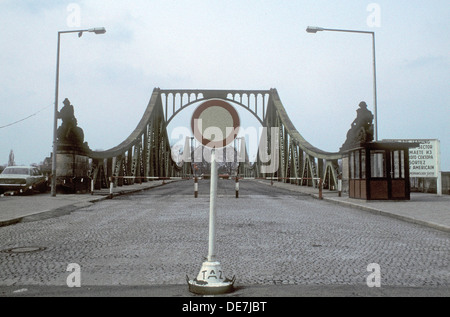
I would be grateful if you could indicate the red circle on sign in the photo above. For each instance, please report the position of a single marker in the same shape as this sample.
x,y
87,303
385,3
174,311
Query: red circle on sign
x,y
231,132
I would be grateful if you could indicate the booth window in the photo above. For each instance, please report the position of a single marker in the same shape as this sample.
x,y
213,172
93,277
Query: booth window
x,y
398,165
352,165
357,160
357,164
378,163
363,164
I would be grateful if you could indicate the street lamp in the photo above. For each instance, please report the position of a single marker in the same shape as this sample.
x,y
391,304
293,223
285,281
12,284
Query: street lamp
x,y
100,30
315,29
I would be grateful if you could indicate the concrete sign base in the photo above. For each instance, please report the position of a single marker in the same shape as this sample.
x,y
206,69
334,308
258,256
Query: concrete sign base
x,y
211,280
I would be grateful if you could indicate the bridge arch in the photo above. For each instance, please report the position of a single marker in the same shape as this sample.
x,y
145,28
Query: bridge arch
x,y
234,96
147,152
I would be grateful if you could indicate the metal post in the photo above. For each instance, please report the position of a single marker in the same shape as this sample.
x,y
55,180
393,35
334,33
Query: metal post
x,y
237,187
320,188
375,101
439,172
212,208
439,184
111,185
55,119
195,187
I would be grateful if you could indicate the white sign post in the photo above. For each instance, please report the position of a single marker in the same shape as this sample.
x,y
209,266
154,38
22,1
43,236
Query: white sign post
x,y
219,119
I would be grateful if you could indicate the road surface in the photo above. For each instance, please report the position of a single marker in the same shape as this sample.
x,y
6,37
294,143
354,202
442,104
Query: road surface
x,y
276,243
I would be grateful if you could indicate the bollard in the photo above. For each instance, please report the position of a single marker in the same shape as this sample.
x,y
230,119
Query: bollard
x,y
92,186
195,187
237,187
320,188
340,184
111,185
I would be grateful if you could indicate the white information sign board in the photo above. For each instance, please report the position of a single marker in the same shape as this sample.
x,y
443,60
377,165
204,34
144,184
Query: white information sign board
x,y
425,160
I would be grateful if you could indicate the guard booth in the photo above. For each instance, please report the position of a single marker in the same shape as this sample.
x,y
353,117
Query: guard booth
x,y
379,171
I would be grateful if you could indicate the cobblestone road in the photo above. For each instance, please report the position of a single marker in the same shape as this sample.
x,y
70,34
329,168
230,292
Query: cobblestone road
x,y
268,236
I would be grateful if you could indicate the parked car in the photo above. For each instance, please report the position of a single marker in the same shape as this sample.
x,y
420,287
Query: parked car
x,y
23,179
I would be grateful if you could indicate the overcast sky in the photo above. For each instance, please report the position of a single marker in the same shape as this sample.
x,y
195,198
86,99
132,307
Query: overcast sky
x,y
223,44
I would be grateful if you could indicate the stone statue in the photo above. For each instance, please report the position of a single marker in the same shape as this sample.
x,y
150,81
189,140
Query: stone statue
x,y
361,130
69,133
72,159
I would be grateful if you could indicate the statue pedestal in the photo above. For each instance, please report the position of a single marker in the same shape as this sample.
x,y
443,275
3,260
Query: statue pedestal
x,y
72,169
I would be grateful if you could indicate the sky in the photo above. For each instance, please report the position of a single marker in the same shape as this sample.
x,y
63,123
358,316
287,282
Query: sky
x,y
223,44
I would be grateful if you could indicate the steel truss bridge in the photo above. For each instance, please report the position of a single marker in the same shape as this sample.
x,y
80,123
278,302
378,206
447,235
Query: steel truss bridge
x,y
146,153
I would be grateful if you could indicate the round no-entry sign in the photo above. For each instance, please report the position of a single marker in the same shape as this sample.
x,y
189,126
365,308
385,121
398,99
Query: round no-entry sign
x,y
215,123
